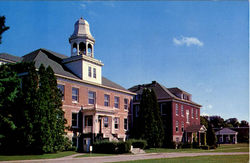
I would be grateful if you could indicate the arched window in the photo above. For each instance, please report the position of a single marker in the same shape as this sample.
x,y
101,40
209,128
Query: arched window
x,y
82,48
89,50
74,49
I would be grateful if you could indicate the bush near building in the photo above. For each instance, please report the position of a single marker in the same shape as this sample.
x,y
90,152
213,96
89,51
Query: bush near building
x,y
111,147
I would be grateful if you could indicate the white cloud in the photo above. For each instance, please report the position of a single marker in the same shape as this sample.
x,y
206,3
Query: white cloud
x,y
204,114
208,107
83,5
188,41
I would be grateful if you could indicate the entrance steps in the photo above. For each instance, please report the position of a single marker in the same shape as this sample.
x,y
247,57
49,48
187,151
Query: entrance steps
x,y
137,151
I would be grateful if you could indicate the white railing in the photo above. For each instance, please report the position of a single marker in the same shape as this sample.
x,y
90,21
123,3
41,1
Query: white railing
x,y
88,129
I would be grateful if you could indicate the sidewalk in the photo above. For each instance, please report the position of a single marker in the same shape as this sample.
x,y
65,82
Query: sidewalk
x,y
118,158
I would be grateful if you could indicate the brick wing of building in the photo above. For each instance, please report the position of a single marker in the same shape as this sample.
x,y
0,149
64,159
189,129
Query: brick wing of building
x,y
94,106
180,115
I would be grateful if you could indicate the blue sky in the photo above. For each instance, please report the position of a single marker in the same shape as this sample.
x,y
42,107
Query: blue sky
x,y
200,47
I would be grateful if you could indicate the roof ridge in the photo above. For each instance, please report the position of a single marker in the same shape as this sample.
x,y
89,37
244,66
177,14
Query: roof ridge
x,y
166,90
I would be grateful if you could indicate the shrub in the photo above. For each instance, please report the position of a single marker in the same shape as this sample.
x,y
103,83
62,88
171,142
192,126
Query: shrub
x,y
111,147
195,145
138,143
206,147
213,146
187,145
180,144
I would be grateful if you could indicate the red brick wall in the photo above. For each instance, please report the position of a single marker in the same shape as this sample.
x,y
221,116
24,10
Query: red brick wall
x,y
70,107
180,118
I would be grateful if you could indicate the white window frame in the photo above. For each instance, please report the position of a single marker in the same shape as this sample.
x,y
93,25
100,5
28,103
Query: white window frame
x,y
125,104
76,120
126,125
176,126
106,122
187,115
116,102
94,97
176,109
182,126
116,122
89,72
63,91
77,95
182,111
107,101
192,113
94,72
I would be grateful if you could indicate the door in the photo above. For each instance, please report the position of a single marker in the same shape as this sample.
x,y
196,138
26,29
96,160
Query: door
x,y
86,145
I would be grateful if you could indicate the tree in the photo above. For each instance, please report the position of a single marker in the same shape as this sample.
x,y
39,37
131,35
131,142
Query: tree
x,y
244,123
232,122
210,134
216,122
150,124
3,28
9,87
204,121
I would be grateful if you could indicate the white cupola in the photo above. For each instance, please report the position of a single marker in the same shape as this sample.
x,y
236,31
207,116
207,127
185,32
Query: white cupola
x,y
82,62
82,42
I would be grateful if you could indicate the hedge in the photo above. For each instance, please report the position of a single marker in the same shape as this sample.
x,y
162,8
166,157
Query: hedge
x,y
138,143
111,147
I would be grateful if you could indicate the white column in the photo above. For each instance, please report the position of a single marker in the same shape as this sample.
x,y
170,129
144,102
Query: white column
x,y
77,50
235,138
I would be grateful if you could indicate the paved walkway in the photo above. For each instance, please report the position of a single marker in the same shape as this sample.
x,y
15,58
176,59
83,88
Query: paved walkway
x,y
117,158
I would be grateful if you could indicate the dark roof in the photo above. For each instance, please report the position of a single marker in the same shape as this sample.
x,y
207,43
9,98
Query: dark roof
x,y
226,131
10,57
54,60
176,90
160,90
194,128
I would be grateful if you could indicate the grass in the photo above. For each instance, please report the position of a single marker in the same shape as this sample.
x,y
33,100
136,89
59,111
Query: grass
x,y
243,147
94,155
31,157
198,159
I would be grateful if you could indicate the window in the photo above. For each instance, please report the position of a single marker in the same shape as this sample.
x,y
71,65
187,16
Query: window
x,y
125,124
137,108
116,104
177,126
126,104
182,126
163,109
192,112
182,111
106,121
61,88
74,120
88,120
196,114
89,72
176,109
177,139
75,94
187,115
116,123
106,100
92,97
94,72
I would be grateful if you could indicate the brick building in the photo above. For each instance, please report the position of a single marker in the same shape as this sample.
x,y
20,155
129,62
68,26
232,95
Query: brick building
x,y
94,106
180,115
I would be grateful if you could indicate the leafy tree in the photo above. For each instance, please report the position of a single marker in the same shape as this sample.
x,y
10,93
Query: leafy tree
x,y
3,28
217,122
244,123
150,124
232,122
204,121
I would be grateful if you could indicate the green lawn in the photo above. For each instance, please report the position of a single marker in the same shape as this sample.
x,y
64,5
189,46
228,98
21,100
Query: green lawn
x,y
199,159
243,147
31,157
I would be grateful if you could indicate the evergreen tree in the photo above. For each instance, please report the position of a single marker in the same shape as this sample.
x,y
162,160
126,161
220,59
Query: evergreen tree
x,y
57,115
9,86
149,121
3,28
210,134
